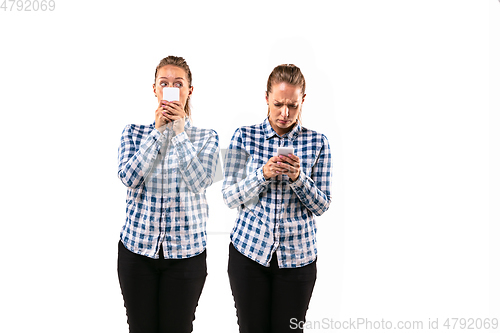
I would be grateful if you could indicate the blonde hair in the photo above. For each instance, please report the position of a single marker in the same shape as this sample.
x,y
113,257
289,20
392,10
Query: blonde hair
x,y
181,63
288,73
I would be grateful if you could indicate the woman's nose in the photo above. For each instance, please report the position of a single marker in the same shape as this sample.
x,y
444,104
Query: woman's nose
x,y
284,111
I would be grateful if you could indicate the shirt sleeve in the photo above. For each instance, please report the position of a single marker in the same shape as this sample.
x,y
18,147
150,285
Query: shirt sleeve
x,y
135,162
314,191
197,167
240,187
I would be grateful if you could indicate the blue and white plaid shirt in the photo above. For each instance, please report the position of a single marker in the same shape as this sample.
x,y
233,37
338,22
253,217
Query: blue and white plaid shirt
x,y
166,176
276,214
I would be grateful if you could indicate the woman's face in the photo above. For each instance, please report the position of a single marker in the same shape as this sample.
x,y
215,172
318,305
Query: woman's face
x,y
285,104
172,76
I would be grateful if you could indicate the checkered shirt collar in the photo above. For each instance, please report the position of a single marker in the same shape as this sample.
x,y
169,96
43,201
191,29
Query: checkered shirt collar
x,y
268,129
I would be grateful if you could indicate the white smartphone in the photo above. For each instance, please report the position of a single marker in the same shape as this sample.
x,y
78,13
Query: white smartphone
x,y
285,151
170,94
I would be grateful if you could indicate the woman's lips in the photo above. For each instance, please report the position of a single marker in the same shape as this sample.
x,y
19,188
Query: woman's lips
x,y
282,121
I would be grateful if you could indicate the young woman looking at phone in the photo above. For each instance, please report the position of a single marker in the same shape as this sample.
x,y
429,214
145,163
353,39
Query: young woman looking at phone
x,y
166,167
272,254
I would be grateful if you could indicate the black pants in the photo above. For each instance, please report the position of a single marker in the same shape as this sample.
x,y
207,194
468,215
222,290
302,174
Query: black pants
x,y
267,298
160,295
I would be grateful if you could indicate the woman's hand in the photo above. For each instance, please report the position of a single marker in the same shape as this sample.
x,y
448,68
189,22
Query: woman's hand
x,y
160,116
175,113
170,111
277,165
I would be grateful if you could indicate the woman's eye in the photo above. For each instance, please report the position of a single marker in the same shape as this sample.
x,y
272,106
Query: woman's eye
x,y
178,84
278,105
162,84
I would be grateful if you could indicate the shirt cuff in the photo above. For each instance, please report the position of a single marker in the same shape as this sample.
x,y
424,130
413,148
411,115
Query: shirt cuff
x,y
185,152
155,134
155,139
260,176
299,182
179,138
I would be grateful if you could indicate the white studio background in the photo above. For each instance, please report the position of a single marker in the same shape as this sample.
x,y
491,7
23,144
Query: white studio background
x,y
406,91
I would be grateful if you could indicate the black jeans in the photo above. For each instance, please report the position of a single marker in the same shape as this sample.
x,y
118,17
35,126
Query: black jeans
x,y
160,295
267,298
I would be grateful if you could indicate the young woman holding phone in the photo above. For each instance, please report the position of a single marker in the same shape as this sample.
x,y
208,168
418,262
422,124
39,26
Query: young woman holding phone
x,y
166,167
272,254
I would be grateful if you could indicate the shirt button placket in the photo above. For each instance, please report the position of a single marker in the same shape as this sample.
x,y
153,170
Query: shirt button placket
x,y
278,223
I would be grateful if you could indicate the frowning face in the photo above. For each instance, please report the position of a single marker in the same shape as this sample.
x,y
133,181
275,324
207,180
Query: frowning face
x,y
285,104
